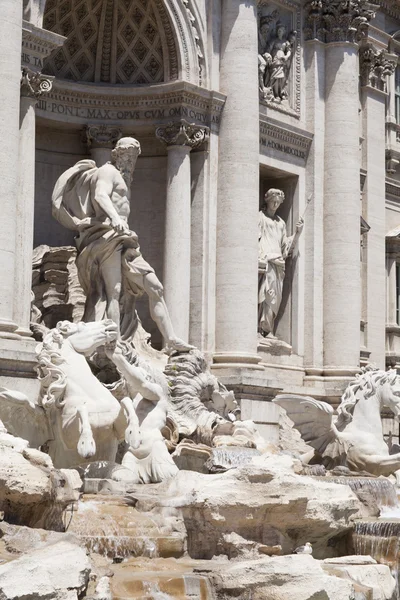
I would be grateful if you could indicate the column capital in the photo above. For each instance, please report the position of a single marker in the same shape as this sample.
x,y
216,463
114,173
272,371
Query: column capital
x,y
331,21
102,136
34,85
181,133
376,66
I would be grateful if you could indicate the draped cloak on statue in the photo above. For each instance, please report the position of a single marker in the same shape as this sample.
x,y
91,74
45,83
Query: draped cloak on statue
x,y
273,249
74,206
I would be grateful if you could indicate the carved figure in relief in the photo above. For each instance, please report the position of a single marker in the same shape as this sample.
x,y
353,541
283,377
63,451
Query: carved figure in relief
x,y
274,246
76,416
275,55
95,202
354,437
147,457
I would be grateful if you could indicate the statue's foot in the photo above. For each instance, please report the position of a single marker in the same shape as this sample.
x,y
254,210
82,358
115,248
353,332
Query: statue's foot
x,y
177,345
86,444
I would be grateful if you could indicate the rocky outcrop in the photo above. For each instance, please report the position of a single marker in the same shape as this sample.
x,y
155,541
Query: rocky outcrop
x,y
58,571
300,577
32,492
266,502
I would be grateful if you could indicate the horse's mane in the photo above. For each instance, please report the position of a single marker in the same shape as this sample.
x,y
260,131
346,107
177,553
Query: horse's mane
x,y
365,385
52,378
190,383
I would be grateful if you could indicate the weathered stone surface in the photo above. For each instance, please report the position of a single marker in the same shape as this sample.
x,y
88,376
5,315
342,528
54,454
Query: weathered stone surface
x,y
31,492
57,571
376,577
297,577
265,502
18,539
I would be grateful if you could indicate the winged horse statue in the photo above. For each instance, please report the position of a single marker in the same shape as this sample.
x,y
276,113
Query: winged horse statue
x,y
353,437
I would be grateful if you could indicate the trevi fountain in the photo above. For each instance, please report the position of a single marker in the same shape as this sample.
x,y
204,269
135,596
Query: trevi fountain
x,y
207,425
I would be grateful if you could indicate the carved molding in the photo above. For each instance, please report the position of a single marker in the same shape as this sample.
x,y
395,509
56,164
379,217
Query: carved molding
x,y
188,4
376,66
34,85
332,21
390,7
133,106
181,133
288,140
37,44
102,136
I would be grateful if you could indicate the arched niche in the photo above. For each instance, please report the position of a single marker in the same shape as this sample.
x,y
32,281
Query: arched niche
x,y
124,42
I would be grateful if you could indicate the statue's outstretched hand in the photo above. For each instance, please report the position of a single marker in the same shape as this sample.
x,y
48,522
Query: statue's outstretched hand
x,y
300,225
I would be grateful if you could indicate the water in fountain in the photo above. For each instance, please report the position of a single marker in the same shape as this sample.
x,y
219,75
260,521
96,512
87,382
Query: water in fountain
x,y
153,592
229,457
374,492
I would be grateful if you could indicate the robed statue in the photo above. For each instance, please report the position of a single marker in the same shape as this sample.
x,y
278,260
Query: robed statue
x,y
95,203
274,246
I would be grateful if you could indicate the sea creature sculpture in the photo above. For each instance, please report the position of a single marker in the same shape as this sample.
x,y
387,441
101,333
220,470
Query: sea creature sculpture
x,y
353,438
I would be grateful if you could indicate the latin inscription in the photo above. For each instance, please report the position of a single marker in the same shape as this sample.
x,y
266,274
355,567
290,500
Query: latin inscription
x,y
103,114
282,148
29,59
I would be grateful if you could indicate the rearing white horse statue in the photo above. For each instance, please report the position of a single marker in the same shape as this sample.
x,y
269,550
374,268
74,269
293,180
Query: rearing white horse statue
x,y
76,416
355,438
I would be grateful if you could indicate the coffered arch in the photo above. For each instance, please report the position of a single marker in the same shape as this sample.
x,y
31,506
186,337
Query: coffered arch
x,y
123,42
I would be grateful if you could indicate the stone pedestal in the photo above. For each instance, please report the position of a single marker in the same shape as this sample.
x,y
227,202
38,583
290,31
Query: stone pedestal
x,y
180,138
10,69
238,189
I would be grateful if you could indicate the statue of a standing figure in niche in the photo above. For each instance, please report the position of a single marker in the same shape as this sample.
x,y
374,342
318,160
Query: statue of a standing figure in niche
x,y
274,246
274,59
95,202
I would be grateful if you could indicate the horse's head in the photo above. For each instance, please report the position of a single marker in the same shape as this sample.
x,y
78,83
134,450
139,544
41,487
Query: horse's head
x,y
86,337
390,392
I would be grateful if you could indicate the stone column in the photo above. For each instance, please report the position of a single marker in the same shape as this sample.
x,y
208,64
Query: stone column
x,y
375,68
391,316
340,25
238,188
33,86
180,138
100,140
10,69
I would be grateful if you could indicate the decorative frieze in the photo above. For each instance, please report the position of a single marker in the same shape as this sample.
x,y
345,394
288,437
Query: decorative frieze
x,y
34,85
181,133
376,66
289,141
338,21
133,107
102,136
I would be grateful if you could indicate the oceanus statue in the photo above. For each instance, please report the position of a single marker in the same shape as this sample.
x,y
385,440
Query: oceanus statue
x,y
354,437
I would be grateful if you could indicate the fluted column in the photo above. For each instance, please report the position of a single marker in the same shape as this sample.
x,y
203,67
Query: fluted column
x,y
100,140
238,188
179,138
340,25
33,86
10,69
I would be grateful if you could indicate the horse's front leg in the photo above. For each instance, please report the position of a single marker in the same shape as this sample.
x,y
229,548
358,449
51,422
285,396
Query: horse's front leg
x,y
129,420
86,444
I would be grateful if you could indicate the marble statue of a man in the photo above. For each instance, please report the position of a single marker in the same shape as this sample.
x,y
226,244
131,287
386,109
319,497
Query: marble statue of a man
x,y
274,246
95,202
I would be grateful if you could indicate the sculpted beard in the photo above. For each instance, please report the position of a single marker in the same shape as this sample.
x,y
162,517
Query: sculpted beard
x,y
126,165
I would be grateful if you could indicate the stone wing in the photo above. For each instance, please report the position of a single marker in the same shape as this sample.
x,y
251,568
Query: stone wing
x,y
24,418
312,418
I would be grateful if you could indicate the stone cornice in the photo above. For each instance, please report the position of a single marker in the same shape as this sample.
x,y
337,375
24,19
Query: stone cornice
x,y
37,44
390,7
285,139
333,21
133,106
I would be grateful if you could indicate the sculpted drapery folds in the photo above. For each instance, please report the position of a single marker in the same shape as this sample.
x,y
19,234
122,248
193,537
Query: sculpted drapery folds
x,y
274,246
275,55
95,202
